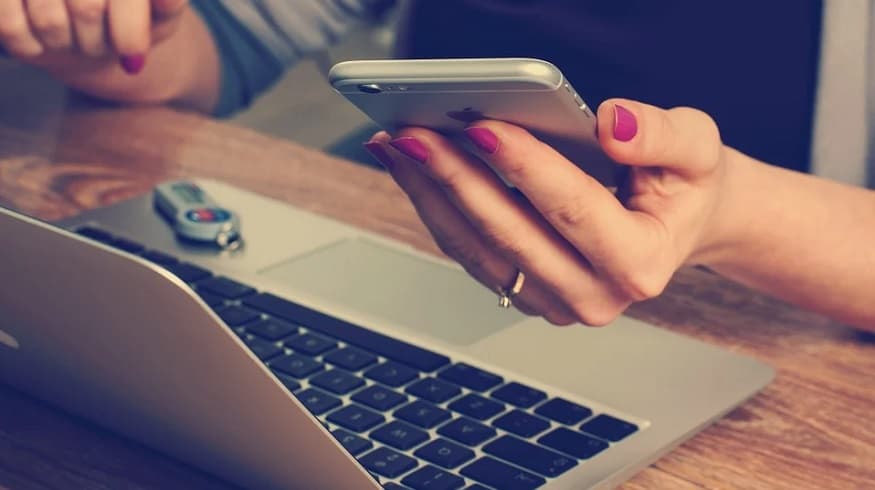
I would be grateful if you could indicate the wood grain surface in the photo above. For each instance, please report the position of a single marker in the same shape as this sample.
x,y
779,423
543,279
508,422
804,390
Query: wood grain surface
x,y
812,428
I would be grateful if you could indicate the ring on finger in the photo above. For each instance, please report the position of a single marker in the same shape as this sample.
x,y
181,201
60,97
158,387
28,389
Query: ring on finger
x,y
506,295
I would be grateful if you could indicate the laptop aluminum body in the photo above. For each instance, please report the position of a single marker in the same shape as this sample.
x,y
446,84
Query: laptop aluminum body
x,y
120,341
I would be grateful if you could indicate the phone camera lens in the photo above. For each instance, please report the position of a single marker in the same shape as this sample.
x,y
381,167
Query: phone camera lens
x,y
370,88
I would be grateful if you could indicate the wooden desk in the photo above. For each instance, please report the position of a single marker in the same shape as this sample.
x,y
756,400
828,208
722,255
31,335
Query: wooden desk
x,y
812,428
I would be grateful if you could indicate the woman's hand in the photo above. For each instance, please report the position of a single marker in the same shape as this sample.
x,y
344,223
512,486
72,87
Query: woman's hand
x,y
587,254
64,34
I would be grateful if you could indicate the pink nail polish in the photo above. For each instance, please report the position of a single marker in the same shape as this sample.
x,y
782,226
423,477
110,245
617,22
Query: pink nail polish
x,y
625,124
483,138
133,64
379,153
411,147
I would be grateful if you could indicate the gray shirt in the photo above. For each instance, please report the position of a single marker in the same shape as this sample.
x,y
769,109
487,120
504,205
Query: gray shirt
x,y
258,39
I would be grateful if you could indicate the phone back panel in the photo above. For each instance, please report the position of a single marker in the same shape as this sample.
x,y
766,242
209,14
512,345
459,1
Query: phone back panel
x,y
447,95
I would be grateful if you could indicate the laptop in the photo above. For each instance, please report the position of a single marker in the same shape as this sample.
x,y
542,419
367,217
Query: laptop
x,y
321,356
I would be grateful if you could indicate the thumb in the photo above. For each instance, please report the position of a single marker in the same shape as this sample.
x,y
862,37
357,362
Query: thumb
x,y
684,140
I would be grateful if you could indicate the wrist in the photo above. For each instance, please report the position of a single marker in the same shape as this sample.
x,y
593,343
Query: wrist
x,y
729,225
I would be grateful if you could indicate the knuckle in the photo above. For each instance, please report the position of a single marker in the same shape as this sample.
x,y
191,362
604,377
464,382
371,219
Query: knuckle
x,y
90,11
49,20
515,169
12,27
640,287
505,242
570,214
707,133
595,315
474,262
559,319
452,181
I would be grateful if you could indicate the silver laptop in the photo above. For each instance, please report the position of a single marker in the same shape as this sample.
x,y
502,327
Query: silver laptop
x,y
320,356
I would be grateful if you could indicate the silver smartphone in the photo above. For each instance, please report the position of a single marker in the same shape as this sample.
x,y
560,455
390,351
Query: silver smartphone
x,y
448,94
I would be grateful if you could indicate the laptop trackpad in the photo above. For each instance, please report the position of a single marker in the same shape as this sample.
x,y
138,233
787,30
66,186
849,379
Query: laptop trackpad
x,y
404,289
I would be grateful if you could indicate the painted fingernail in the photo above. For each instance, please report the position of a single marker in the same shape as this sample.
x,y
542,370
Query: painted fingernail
x,y
379,153
625,125
483,138
133,64
411,147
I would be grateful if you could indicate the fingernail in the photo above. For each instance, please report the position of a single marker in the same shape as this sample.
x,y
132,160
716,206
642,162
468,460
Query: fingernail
x,y
483,138
411,147
625,125
379,153
133,64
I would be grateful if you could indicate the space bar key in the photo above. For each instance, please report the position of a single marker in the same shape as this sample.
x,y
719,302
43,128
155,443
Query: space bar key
x,y
353,334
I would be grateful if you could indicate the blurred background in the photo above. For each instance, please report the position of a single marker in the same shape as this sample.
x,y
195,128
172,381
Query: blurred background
x,y
301,107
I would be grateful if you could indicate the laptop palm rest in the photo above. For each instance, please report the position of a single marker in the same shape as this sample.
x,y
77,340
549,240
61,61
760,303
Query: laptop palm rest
x,y
427,296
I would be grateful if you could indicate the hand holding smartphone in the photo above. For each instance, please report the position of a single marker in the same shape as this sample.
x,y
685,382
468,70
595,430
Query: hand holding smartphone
x,y
448,94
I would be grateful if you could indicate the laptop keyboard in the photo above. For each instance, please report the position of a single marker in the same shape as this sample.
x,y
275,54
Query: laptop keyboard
x,y
414,418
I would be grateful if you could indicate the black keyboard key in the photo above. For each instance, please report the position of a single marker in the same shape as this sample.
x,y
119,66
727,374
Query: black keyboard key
x,y
225,287
468,431
262,349
350,358
289,382
95,234
529,456
476,486
234,315
296,365
310,344
445,453
127,245
431,478
354,444
423,414
581,446
159,258
391,374
477,407
387,462
607,427
356,418
563,411
272,329
500,475
394,486
188,272
399,435
519,395
434,390
337,381
470,377
211,299
379,398
521,423
380,344
317,401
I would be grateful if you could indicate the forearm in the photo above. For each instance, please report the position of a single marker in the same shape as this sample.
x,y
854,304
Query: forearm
x,y
803,239
183,70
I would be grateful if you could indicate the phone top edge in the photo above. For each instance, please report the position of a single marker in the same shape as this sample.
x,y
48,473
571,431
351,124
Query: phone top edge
x,y
538,74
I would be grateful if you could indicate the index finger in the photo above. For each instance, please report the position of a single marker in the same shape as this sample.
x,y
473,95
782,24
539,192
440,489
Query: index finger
x,y
579,207
129,24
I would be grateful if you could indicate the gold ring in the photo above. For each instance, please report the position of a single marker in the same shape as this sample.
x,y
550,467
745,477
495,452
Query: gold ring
x,y
505,295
